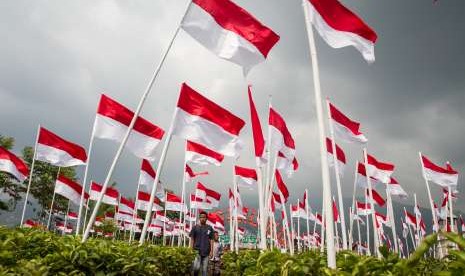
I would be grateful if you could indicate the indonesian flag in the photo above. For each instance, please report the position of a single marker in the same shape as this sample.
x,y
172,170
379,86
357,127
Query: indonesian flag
x,y
110,197
241,231
126,216
277,201
442,213
335,212
215,220
98,221
394,188
281,138
258,139
30,224
339,27
303,203
126,205
345,128
72,216
377,197
202,121
143,201
362,177
410,219
161,216
11,164
382,219
69,189
363,209
196,153
190,216
454,193
112,122
173,203
341,157
229,31
286,165
200,203
444,177
245,176
147,174
297,212
405,229
57,151
208,194
281,185
190,174
379,170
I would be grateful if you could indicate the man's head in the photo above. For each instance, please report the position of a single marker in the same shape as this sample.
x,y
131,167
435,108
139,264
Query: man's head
x,y
216,236
203,217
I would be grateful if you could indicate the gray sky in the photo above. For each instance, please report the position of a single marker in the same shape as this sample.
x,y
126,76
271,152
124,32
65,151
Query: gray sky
x,y
58,56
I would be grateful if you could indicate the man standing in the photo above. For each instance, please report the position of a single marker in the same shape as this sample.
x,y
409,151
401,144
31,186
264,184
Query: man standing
x,y
201,235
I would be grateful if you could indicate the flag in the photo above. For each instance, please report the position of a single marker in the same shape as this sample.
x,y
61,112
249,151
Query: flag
x,y
110,197
394,188
202,121
57,151
258,139
190,174
444,177
379,170
335,212
143,201
112,121
362,177
282,163
281,185
341,157
196,153
229,31
69,189
363,209
72,216
126,205
382,219
200,203
11,164
345,128
208,194
377,197
30,224
404,229
245,176
277,200
174,203
281,138
410,219
340,27
147,173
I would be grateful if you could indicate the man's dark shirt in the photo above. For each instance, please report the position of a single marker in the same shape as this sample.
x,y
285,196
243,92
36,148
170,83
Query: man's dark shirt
x,y
202,234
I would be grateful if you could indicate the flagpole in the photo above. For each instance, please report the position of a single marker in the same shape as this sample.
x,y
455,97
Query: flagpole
x,y
351,236
268,174
298,226
164,221
451,210
373,215
231,230
84,181
368,224
415,209
331,252
390,209
236,211
336,232
126,136
308,215
134,212
359,236
182,216
30,176
263,215
53,200
435,220
323,224
314,227
338,178
66,218
161,162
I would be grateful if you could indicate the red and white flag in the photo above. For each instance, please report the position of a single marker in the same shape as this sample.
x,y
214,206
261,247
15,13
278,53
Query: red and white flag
x,y
379,170
362,177
229,31
276,199
208,194
281,185
284,164
345,128
382,219
126,205
341,157
198,154
190,174
147,174
281,138
257,133
410,219
340,27
444,177
57,151
112,122
11,164
394,188
246,177
30,224
110,197
174,203
143,201
72,216
376,197
363,209
335,212
69,189
200,203
297,212
202,121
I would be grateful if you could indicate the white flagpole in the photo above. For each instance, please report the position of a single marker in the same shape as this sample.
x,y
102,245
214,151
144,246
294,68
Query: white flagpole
x,y
66,218
338,179
336,232
417,218
262,213
84,181
164,221
161,162
307,211
231,227
314,227
53,201
323,225
451,210
330,249
268,174
30,176
390,209
236,210
182,215
372,205
368,224
283,206
134,213
298,226
126,136
351,235
435,220
359,236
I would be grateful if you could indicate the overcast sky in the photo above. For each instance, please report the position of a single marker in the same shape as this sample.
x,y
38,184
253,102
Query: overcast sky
x,y
57,57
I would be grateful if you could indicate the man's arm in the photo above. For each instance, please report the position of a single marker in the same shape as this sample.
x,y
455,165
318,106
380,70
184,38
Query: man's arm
x,y
191,235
